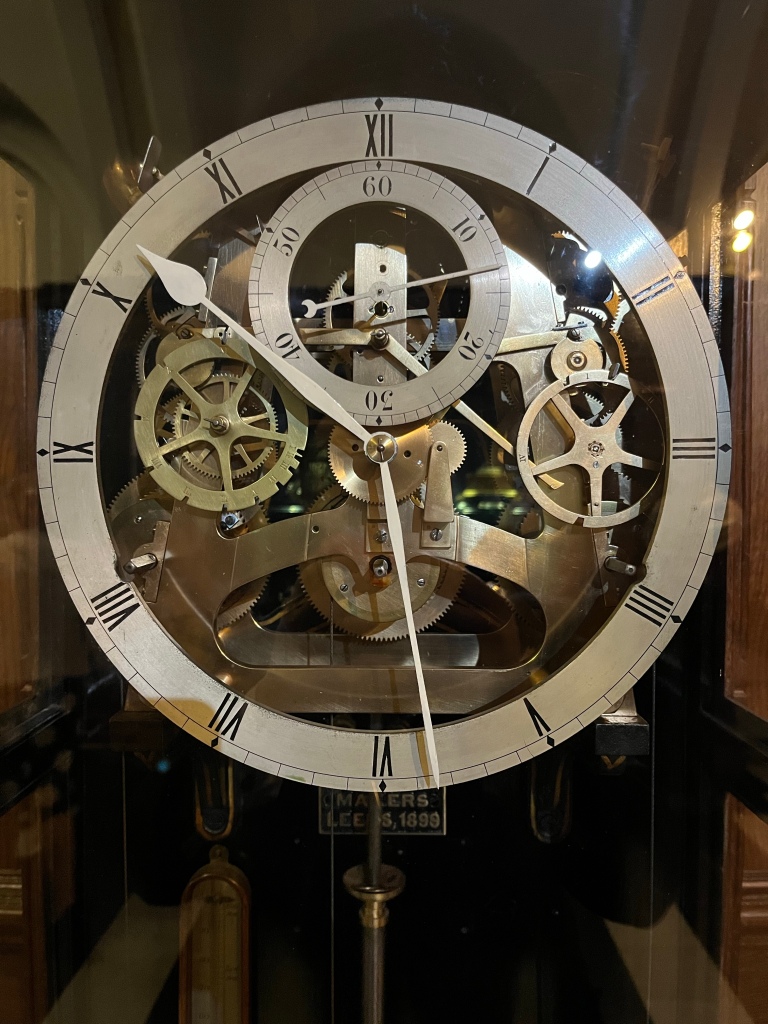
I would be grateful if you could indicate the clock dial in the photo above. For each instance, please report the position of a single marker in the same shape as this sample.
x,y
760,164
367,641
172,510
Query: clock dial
x,y
359,231
422,293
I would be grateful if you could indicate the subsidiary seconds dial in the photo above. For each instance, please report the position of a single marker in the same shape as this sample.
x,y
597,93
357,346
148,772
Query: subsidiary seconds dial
x,y
376,258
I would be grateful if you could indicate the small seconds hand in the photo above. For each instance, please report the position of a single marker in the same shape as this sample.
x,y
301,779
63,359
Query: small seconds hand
x,y
312,307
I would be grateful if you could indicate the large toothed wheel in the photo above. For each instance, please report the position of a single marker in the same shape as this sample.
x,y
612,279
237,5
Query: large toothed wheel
x,y
603,453
223,427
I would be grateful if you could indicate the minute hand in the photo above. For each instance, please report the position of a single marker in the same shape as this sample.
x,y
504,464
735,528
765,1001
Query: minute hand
x,y
186,286
312,307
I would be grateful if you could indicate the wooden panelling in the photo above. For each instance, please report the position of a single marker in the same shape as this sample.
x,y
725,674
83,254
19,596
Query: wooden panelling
x,y
18,484
746,662
23,964
744,957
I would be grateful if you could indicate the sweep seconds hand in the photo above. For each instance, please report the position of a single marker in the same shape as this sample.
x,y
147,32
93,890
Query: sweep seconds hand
x,y
186,286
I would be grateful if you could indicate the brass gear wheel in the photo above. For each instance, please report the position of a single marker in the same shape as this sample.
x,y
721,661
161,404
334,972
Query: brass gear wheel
x,y
607,323
223,426
360,604
592,443
140,488
453,439
248,457
134,513
419,343
361,478
239,603
336,291
509,384
170,331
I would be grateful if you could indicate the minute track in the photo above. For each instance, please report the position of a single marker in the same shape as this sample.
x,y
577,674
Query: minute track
x,y
476,246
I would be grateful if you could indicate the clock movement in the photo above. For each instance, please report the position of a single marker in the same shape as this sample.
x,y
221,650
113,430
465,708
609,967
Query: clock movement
x,y
383,444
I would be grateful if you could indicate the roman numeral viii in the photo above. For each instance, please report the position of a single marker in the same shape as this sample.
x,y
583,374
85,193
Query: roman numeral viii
x,y
114,605
380,132
228,717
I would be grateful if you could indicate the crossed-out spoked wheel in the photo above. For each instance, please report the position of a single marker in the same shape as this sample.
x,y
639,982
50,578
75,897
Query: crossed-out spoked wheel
x,y
236,438
618,458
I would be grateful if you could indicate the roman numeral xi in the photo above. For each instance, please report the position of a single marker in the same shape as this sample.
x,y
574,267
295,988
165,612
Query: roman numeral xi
x,y
221,174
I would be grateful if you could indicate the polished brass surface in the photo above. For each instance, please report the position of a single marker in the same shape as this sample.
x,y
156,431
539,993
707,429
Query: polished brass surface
x,y
218,428
355,466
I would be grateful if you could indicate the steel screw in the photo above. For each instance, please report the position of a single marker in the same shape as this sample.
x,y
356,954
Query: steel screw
x,y
344,587
380,567
421,582
382,536
436,534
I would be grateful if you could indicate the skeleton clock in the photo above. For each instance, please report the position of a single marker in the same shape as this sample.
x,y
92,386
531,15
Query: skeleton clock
x,y
383,443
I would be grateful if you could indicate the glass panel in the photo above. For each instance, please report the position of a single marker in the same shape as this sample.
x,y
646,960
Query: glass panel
x,y
230,815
